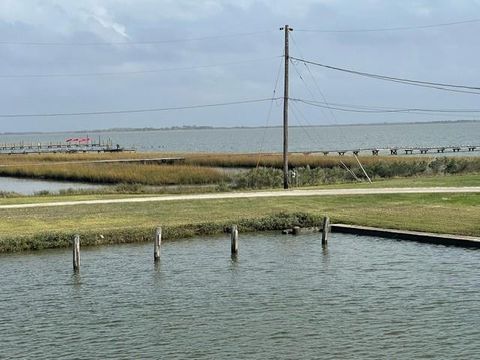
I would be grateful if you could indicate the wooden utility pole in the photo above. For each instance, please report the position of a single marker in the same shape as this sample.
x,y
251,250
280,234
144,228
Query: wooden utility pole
x,y
286,29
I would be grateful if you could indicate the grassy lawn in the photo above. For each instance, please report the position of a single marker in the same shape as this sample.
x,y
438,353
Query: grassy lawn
x,y
418,181
442,213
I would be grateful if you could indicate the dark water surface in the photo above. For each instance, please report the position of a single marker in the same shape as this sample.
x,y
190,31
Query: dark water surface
x,y
282,298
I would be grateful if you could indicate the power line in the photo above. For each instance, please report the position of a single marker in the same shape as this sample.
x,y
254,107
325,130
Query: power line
x,y
434,85
200,106
270,108
315,82
324,99
137,72
147,42
383,110
400,28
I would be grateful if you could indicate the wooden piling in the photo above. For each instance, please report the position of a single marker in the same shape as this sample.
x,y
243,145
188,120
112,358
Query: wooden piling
x,y
234,238
325,230
296,230
157,244
76,253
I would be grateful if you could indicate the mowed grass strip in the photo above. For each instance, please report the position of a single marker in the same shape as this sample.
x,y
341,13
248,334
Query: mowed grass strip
x,y
440,213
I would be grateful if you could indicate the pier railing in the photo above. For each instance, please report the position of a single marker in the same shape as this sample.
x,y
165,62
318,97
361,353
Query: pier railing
x,y
407,150
53,148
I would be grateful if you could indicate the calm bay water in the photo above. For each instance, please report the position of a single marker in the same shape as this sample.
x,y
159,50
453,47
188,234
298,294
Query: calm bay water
x,y
270,139
282,298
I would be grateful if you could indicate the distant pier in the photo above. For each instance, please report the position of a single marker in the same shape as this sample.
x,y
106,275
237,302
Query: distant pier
x,y
65,148
408,150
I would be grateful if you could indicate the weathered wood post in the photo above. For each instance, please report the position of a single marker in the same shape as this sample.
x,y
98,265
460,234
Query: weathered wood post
x,y
76,253
325,230
158,243
234,238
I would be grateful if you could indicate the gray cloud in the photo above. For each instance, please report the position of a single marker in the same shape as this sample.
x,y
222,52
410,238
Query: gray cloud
x,y
446,54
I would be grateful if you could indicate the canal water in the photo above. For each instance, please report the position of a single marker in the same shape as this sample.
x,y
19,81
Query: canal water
x,y
283,297
32,186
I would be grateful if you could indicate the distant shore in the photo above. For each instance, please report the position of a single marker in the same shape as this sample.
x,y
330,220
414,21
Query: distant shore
x,y
207,127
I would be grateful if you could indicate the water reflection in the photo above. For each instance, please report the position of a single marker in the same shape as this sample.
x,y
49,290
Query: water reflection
x,y
76,279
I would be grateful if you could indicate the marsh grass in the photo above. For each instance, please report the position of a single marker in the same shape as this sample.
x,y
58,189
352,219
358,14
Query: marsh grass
x,y
114,173
258,170
295,160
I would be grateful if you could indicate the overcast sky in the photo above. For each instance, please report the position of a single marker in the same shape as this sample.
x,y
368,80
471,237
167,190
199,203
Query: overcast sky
x,y
192,52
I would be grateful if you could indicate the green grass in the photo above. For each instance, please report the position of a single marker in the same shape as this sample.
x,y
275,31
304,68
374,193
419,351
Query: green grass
x,y
456,180
51,226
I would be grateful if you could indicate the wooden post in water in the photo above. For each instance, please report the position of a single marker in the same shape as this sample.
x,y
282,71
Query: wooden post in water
x,y
76,253
296,230
234,238
325,230
158,243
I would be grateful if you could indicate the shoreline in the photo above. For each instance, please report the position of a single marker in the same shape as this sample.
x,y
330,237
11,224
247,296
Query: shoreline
x,y
210,127
277,222
64,239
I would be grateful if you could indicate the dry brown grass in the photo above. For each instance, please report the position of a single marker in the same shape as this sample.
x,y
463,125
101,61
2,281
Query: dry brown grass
x,y
199,168
295,160
120,173
213,159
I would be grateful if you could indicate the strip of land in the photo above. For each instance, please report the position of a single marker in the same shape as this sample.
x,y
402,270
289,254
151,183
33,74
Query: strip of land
x,y
453,211
419,194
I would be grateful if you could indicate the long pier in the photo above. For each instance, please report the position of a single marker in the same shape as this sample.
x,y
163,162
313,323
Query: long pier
x,y
421,150
66,148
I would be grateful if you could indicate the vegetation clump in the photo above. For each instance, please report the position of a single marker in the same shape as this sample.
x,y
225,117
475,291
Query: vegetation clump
x,y
262,177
